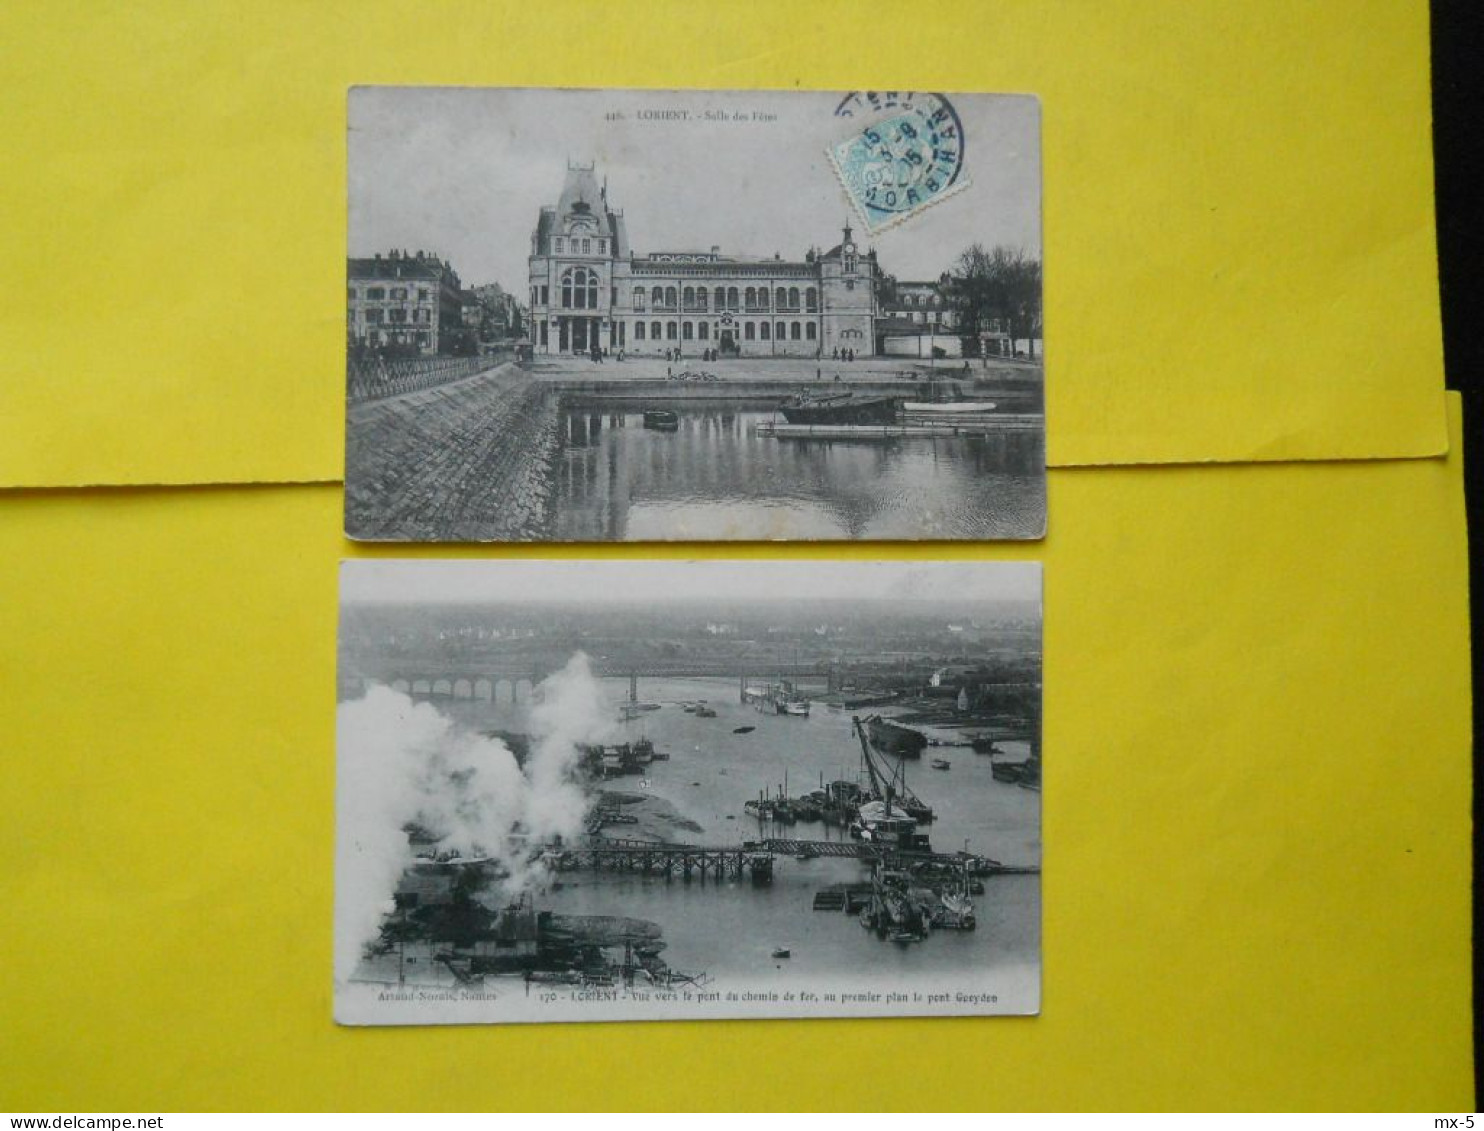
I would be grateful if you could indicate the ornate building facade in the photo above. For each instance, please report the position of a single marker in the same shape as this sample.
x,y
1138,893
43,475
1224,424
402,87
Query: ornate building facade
x,y
590,290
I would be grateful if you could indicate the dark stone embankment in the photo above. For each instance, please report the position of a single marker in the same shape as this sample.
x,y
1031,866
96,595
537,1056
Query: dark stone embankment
x,y
468,461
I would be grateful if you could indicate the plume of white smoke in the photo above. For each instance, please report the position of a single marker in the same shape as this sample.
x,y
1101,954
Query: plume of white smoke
x,y
571,711
400,761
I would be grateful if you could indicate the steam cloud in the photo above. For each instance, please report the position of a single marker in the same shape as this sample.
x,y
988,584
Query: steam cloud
x,y
402,761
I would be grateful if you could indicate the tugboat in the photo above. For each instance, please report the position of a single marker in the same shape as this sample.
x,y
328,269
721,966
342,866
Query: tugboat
x,y
839,408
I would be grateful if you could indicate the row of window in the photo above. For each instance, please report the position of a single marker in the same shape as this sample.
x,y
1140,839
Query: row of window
x,y
579,291
727,298
377,317
936,316
578,246
400,337
376,294
751,331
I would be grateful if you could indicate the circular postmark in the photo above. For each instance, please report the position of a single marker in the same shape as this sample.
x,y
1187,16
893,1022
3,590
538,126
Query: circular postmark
x,y
908,153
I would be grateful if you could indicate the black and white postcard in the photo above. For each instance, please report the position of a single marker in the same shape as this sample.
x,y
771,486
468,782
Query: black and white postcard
x,y
607,315
613,790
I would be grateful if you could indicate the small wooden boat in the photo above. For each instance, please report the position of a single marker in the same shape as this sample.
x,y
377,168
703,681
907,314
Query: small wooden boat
x,y
743,730
661,419
782,952
941,763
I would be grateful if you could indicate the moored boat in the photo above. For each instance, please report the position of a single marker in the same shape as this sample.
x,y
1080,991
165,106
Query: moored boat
x,y
879,822
893,738
661,419
839,408
948,408
941,763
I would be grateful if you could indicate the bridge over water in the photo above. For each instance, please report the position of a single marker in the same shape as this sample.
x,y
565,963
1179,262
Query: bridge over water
x,y
517,678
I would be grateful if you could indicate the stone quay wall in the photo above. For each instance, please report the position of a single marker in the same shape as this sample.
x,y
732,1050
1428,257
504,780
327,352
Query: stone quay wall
x,y
466,462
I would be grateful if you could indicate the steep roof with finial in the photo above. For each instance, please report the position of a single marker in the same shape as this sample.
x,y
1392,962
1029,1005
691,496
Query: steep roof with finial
x,y
580,192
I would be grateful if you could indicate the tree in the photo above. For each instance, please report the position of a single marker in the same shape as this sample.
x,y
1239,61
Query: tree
x,y
997,289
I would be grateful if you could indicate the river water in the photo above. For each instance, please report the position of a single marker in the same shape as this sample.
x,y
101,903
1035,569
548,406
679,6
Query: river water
x,y
730,929
716,478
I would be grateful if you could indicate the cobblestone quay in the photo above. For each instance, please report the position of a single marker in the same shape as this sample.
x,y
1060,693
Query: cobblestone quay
x,y
466,461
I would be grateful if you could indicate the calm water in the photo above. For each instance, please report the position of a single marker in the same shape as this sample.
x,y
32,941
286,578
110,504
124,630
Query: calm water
x,y
731,929
716,478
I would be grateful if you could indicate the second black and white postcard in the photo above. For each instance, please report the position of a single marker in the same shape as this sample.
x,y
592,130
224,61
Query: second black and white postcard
x,y
605,790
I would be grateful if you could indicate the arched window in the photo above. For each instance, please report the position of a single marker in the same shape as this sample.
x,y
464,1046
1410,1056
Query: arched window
x,y
670,296
689,296
720,296
780,331
658,296
672,330
749,296
638,298
811,300
795,334
579,289
731,298
810,331
780,298
559,245
703,330
654,330
701,297
749,331
687,331
793,299
638,331
762,330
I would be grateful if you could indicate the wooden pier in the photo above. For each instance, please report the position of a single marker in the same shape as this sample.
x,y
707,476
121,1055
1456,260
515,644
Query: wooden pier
x,y
686,861
751,858
989,425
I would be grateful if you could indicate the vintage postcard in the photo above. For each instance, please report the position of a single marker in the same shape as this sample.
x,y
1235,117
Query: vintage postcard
x,y
609,790
605,315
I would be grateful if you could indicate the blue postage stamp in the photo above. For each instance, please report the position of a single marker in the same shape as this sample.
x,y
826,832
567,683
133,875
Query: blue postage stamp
x,y
907,155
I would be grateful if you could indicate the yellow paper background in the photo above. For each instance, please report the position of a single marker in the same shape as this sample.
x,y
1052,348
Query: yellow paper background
x,y
1239,236
1257,829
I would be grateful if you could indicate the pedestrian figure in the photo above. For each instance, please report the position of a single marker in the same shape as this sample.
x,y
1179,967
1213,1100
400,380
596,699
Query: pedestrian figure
x,y
835,354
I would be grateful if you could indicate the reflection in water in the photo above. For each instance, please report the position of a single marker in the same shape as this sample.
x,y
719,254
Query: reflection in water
x,y
716,478
730,929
